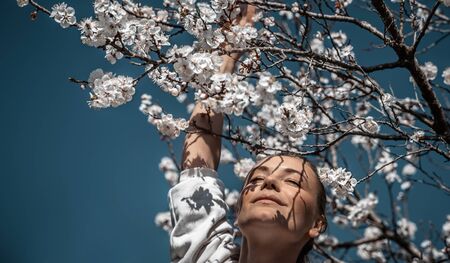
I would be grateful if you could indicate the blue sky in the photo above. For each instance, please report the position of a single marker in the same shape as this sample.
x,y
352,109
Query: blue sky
x,y
83,185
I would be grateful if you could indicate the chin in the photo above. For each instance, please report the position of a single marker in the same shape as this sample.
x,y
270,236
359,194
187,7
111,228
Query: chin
x,y
261,216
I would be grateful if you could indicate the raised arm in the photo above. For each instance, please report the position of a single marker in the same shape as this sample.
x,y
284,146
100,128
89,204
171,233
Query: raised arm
x,y
202,144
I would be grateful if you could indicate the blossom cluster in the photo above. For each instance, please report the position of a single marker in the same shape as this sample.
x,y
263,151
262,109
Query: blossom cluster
x,y
446,231
386,165
196,66
22,3
226,93
367,125
226,156
64,15
339,180
232,198
359,212
406,228
372,250
109,90
139,27
163,220
295,119
243,167
166,124
169,168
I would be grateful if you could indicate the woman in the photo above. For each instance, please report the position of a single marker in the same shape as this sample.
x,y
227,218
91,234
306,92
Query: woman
x,y
281,207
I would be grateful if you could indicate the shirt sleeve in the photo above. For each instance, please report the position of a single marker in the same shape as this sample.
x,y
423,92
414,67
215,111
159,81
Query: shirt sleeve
x,y
201,232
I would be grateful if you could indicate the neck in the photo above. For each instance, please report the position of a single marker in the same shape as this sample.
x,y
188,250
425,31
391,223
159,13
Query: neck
x,y
268,251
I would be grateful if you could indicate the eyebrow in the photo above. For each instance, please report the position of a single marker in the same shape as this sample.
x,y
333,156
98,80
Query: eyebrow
x,y
284,170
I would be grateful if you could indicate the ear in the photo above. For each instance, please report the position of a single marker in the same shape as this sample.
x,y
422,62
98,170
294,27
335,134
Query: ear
x,y
319,227
313,232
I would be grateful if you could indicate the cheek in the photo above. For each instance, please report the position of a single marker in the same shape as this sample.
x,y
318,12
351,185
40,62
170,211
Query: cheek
x,y
303,212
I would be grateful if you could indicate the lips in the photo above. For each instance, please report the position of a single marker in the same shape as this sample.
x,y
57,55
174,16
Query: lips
x,y
269,198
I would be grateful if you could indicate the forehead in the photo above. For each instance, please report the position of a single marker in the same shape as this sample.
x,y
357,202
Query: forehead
x,y
282,162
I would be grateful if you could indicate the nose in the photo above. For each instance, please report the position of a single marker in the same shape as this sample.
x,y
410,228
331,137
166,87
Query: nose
x,y
270,183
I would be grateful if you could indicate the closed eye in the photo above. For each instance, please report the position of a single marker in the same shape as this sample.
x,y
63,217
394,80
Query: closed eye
x,y
256,179
294,182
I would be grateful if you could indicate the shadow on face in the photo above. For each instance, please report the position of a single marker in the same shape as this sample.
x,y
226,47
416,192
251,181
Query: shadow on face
x,y
280,200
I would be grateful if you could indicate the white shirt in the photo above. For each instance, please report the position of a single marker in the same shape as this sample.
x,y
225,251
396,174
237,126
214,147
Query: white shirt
x,y
201,231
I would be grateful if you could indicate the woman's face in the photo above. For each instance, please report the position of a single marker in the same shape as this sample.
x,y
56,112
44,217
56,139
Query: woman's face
x,y
281,195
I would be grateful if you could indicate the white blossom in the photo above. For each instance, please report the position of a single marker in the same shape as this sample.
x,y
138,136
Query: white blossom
x,y
417,136
207,14
184,69
111,13
295,119
268,83
142,35
368,125
366,142
265,90
63,14
340,220
317,45
240,35
446,2
226,93
91,32
405,185
346,52
163,220
214,37
430,253
406,228
341,181
430,70
96,74
148,108
359,212
344,3
201,66
168,166
22,3
387,166
446,231
269,21
339,38
446,76
231,198
326,240
167,80
409,169
372,250
226,156
109,90
220,5
112,54
269,113
237,98
388,100
243,167
170,126
274,145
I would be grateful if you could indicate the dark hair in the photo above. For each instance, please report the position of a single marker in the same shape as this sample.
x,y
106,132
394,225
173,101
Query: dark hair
x,y
321,202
